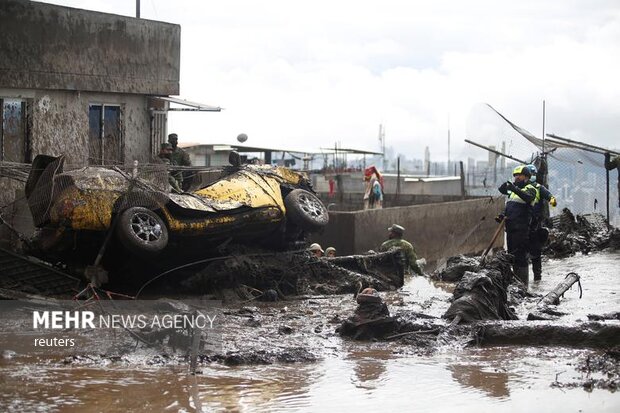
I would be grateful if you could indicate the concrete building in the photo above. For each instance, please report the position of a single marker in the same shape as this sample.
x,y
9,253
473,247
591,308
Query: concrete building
x,y
80,83
92,86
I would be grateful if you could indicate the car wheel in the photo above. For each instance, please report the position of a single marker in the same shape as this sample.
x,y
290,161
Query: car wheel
x,y
141,231
306,210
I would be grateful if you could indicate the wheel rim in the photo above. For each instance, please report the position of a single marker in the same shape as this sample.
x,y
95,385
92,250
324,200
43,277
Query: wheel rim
x,y
312,207
145,227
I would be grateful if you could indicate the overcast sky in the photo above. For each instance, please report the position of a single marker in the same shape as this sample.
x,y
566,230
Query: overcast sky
x,y
307,74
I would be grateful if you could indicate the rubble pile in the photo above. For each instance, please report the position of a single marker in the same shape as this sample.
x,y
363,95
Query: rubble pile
x,y
272,277
371,318
580,233
483,295
456,268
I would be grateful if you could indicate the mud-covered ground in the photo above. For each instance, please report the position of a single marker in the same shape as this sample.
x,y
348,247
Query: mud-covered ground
x,y
290,350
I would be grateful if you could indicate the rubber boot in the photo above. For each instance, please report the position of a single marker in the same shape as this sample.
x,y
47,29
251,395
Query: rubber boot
x,y
522,274
537,268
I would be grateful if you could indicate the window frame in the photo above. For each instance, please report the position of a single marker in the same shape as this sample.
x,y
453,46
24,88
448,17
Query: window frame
x,y
121,135
26,105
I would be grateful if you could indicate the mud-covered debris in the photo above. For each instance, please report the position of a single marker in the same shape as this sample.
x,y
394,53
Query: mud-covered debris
x,y
371,318
589,334
546,313
580,233
22,274
483,295
252,275
456,268
608,316
287,355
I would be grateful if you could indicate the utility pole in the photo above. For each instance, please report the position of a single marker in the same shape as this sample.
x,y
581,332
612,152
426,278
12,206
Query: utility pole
x,y
543,126
448,169
137,9
397,180
382,143
544,165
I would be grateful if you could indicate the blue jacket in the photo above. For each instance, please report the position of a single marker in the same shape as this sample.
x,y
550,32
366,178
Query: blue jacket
x,y
518,209
542,194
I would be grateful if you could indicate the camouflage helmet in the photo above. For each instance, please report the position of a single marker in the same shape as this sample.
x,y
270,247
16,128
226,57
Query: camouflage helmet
x,y
397,229
315,247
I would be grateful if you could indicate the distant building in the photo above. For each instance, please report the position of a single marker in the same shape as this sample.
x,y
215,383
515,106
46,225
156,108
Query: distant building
x,y
213,155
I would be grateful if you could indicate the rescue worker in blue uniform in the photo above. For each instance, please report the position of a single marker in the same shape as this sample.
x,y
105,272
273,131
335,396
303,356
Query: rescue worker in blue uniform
x,y
518,215
538,233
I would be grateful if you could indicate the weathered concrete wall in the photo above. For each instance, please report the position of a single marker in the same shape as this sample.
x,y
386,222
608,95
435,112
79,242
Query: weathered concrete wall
x,y
45,46
15,213
60,124
436,230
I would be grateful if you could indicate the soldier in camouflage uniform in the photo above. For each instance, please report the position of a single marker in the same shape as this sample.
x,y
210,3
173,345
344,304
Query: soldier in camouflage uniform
x,y
181,158
164,158
395,235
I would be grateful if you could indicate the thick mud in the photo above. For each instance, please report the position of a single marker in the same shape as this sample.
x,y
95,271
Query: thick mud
x,y
286,355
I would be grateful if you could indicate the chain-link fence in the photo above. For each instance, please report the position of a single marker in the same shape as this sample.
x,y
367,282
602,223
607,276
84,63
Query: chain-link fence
x,y
576,174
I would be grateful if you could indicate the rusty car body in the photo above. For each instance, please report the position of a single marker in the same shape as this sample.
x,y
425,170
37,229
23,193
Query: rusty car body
x,y
248,202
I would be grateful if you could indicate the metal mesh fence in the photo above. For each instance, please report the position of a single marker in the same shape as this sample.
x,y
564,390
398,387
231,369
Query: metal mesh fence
x,y
576,176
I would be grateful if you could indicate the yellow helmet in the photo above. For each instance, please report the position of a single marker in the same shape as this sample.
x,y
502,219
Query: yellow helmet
x,y
521,170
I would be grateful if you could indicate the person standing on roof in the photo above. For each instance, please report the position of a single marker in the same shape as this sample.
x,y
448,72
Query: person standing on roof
x,y
395,240
518,216
538,233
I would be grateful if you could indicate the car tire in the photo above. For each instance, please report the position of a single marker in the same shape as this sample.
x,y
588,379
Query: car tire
x,y
306,210
142,231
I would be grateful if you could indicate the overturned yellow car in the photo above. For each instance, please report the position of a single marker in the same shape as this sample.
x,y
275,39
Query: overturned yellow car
x,y
247,202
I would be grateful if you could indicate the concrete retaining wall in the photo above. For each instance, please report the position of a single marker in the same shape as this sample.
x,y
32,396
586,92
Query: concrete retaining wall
x,y
436,230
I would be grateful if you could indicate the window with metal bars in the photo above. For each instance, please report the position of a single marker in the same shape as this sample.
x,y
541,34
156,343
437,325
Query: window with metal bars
x,y
105,135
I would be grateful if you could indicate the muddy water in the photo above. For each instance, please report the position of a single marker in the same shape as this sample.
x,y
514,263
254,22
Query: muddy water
x,y
348,375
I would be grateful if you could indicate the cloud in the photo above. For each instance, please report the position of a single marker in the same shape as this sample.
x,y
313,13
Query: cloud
x,y
311,74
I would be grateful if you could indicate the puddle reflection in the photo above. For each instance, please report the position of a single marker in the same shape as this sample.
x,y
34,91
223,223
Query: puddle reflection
x,y
494,384
369,368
